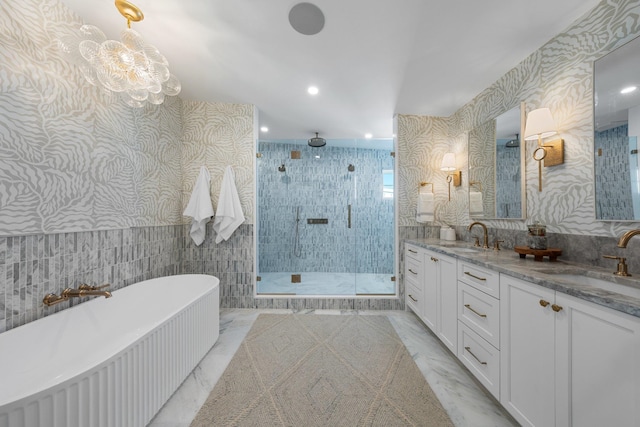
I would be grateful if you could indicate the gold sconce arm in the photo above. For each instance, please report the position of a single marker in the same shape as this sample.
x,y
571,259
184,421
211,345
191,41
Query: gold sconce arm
x,y
540,125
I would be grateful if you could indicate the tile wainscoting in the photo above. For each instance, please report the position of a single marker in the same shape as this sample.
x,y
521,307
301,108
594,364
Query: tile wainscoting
x,y
32,266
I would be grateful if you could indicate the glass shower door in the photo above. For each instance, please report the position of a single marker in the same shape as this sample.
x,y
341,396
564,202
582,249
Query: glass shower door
x,y
374,215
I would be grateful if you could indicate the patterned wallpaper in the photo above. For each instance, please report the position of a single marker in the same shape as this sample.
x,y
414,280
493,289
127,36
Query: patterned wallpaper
x,y
73,158
216,135
559,76
422,143
482,164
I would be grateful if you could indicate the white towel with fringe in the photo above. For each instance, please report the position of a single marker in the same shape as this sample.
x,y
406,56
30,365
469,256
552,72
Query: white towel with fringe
x,y
229,214
199,207
476,207
426,206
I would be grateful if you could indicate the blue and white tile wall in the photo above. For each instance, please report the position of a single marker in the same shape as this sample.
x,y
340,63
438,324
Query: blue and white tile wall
x,y
320,185
508,198
613,178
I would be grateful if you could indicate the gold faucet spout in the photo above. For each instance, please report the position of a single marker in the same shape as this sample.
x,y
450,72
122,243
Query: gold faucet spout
x,y
484,229
624,239
79,293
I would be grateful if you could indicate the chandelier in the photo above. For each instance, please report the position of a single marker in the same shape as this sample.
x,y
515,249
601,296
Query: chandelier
x,y
132,68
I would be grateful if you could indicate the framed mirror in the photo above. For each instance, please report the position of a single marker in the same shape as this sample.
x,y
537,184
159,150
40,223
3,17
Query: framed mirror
x,y
496,166
616,100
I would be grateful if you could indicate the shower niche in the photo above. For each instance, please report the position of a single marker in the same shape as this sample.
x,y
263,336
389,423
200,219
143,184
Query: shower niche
x,y
325,220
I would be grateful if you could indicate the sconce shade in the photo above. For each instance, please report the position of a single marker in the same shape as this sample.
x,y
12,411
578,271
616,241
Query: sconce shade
x,y
539,124
448,162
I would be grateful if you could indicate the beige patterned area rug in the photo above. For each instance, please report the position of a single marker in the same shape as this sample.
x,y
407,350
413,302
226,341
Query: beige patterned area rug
x,y
322,370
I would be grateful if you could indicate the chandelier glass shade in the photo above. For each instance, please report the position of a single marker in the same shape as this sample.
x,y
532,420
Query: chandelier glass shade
x,y
132,68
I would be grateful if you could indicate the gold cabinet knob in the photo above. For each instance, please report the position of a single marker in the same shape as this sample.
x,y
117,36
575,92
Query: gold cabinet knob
x,y
556,307
544,303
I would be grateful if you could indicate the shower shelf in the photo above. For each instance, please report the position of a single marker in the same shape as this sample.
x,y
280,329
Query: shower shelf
x,y
317,221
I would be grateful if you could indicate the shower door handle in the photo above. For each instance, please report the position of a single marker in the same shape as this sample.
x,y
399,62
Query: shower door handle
x,y
348,216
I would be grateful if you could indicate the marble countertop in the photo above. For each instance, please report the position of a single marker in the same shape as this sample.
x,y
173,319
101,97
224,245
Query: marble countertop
x,y
578,280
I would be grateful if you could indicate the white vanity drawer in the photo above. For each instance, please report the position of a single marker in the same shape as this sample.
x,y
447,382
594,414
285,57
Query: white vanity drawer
x,y
413,271
413,252
481,278
480,357
414,298
480,312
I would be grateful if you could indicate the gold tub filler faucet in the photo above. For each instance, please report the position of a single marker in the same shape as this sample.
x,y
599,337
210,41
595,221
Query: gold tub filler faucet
x,y
83,290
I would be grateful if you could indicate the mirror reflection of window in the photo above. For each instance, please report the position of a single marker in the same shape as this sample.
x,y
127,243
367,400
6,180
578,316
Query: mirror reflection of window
x,y
617,126
387,184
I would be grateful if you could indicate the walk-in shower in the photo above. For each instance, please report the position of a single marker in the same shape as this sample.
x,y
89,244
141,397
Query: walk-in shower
x,y
325,221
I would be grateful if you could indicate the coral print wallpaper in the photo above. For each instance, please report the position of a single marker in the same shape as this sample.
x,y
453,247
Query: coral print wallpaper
x,y
72,157
559,76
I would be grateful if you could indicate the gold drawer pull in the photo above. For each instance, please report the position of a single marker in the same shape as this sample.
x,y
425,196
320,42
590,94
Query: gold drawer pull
x,y
544,303
556,307
412,251
477,314
434,259
474,356
414,300
411,271
475,277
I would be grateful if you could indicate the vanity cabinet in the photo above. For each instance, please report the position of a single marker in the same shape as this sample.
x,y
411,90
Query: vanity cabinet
x,y
566,361
478,314
442,274
431,292
414,279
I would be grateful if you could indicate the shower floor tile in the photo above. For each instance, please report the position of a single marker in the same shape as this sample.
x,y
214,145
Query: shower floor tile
x,y
326,284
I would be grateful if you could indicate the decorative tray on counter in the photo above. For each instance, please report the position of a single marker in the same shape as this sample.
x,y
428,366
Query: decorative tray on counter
x,y
539,254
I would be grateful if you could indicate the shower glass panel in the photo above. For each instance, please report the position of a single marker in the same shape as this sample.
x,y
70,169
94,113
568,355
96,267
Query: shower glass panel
x,y
325,218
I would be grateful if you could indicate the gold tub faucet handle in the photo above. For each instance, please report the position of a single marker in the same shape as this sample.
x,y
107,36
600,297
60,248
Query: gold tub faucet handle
x,y
86,287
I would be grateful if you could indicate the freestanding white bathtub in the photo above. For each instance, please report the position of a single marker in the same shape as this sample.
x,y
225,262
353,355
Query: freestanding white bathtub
x,y
108,362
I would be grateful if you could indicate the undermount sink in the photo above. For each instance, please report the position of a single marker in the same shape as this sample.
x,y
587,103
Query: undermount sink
x,y
581,279
466,250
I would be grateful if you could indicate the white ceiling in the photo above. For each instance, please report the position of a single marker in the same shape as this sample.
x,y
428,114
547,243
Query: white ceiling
x,y
374,58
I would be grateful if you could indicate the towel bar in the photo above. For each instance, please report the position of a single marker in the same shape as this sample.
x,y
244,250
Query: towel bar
x,y
422,184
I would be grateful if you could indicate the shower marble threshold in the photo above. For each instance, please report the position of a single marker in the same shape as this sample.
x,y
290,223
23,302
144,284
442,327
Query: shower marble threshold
x,y
333,284
467,403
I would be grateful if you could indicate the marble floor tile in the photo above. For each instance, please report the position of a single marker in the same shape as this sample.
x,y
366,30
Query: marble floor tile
x,y
467,403
313,283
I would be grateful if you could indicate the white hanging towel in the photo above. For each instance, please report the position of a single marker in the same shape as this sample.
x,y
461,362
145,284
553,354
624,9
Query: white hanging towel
x,y
229,214
476,205
199,207
426,205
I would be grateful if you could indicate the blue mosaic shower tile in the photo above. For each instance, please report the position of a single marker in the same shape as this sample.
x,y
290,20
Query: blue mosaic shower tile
x,y
323,188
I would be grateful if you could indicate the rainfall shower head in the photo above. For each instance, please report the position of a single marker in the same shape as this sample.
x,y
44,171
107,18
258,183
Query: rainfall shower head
x,y
514,142
316,141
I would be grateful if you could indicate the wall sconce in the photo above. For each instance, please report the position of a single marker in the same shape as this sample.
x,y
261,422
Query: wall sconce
x,y
540,125
449,165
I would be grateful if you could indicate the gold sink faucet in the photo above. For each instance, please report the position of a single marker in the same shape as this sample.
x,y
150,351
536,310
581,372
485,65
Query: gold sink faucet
x,y
484,229
624,239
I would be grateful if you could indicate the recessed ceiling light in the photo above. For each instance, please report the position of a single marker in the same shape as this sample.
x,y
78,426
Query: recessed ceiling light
x,y
368,135
628,89
313,90
264,129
